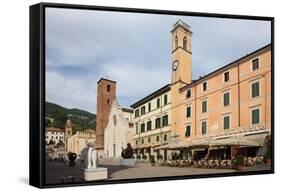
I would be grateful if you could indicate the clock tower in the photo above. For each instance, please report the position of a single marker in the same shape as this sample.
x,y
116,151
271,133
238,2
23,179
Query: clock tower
x,y
181,72
181,53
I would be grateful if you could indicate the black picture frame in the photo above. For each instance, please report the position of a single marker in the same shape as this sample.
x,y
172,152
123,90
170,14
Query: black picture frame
x,y
37,92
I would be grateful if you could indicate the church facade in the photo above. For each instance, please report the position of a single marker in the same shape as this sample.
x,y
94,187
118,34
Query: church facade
x,y
114,123
75,143
119,130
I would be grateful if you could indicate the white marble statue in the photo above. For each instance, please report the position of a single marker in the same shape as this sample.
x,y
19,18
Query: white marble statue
x,y
92,156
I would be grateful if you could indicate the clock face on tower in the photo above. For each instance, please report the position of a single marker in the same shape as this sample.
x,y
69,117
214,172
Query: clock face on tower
x,y
175,65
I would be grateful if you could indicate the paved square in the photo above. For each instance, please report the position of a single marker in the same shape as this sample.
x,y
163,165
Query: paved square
x,y
55,171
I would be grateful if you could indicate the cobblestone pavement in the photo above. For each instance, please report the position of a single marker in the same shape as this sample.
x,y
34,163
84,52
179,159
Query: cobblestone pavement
x,y
55,170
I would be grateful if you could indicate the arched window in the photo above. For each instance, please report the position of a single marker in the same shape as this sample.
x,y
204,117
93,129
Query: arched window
x,y
184,43
176,42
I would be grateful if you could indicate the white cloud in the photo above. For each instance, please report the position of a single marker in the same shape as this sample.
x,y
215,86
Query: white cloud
x,y
134,50
136,80
71,92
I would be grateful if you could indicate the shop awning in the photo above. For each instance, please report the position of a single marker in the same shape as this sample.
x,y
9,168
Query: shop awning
x,y
249,141
141,147
201,143
172,146
238,141
258,138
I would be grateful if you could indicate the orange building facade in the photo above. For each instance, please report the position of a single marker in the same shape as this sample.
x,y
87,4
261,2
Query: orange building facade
x,y
230,104
234,101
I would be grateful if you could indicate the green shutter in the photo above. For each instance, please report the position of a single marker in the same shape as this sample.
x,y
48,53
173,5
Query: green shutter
x,y
137,113
226,99
226,122
255,116
142,127
204,127
187,131
204,106
188,111
258,89
158,103
255,89
165,120
148,126
165,99
157,123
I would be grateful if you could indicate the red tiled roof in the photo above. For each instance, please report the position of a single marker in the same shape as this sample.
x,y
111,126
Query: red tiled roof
x,y
53,129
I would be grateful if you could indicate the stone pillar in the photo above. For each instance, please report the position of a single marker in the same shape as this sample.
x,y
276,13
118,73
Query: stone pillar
x,y
234,151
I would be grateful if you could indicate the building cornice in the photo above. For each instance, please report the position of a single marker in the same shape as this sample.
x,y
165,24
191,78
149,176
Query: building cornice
x,y
151,96
179,47
225,67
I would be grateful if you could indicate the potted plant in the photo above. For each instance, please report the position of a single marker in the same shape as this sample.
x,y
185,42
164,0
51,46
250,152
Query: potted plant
x,y
159,157
239,162
144,157
152,160
268,157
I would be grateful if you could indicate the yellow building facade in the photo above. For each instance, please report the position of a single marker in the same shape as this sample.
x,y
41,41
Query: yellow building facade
x,y
77,142
152,122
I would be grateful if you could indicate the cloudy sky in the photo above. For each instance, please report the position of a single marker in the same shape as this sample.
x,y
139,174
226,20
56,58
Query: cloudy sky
x,y
135,50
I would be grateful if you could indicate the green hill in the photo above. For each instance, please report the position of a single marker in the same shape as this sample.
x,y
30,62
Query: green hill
x,y
57,115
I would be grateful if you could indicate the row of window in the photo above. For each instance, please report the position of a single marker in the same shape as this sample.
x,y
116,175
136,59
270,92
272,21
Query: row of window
x,y
255,120
59,133
204,105
52,137
149,124
143,108
226,77
149,139
255,92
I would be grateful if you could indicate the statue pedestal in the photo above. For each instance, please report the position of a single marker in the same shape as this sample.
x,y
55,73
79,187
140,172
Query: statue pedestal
x,y
127,162
90,174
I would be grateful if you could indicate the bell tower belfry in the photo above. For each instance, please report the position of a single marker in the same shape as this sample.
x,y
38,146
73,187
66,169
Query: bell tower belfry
x,y
181,53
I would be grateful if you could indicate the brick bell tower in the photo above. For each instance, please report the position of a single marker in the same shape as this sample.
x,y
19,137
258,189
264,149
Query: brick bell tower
x,y
106,93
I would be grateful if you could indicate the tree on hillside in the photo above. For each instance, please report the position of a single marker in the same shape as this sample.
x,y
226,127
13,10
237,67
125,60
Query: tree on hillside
x,y
59,118
48,123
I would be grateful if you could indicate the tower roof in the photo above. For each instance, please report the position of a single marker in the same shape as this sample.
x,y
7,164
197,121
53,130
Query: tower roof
x,y
181,24
104,79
